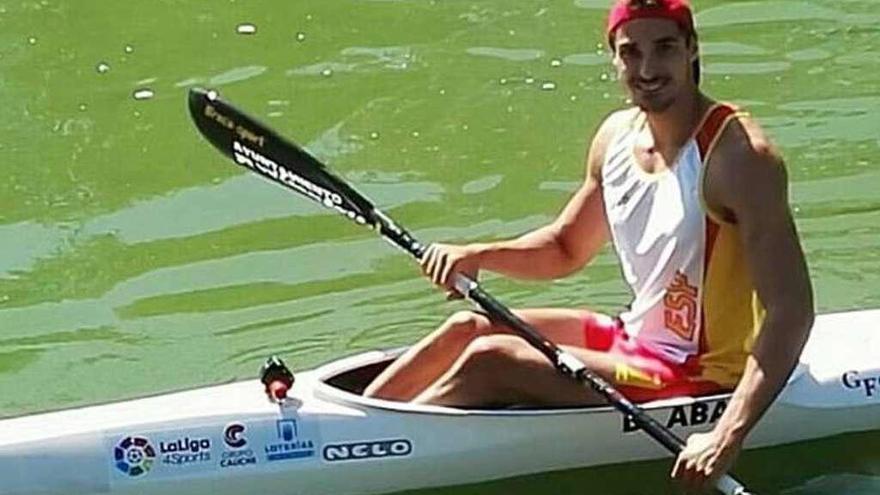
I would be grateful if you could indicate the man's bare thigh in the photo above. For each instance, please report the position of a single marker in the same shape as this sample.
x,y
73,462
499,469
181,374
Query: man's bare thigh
x,y
562,326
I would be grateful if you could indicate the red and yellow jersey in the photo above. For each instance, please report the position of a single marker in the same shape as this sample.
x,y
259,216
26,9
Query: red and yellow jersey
x,y
694,301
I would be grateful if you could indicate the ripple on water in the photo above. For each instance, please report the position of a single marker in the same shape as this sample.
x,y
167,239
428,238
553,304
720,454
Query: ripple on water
x,y
586,59
482,185
730,48
237,74
361,59
22,244
746,67
729,14
835,119
808,54
512,54
592,4
148,220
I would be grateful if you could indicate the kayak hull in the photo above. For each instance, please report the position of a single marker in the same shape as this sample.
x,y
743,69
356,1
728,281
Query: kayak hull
x,y
229,439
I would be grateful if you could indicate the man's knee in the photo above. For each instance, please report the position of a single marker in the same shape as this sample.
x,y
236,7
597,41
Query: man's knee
x,y
466,325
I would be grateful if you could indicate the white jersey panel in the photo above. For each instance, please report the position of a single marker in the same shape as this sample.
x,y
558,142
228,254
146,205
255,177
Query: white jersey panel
x,y
658,227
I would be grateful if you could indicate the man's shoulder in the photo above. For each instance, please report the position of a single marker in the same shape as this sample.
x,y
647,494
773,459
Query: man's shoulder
x,y
742,142
617,120
744,163
611,125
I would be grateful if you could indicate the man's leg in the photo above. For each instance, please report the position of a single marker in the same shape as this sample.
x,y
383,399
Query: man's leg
x,y
427,359
498,370
425,362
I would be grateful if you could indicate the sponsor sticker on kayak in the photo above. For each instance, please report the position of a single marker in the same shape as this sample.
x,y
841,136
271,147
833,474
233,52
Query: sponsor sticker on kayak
x,y
185,450
134,456
686,415
237,452
867,385
294,439
160,454
367,449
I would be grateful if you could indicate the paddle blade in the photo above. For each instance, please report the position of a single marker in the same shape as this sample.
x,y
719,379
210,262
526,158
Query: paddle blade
x,y
257,148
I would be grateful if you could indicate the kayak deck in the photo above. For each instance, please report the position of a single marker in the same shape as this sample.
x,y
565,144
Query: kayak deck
x,y
327,439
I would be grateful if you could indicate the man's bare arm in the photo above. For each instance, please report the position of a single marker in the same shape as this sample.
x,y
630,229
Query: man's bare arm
x,y
749,185
755,190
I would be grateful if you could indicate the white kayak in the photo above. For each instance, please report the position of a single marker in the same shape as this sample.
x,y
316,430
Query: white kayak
x,y
327,439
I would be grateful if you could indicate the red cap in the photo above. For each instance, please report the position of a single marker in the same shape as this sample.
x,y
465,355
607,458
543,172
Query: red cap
x,y
627,10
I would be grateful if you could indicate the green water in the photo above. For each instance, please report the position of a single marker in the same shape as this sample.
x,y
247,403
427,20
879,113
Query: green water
x,y
135,259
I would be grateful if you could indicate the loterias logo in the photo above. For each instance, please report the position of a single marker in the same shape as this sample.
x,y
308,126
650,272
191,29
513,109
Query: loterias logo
x,y
185,450
134,456
696,414
353,451
853,380
234,437
290,445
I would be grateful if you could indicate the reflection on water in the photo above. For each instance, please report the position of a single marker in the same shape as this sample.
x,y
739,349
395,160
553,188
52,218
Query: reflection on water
x,y
127,243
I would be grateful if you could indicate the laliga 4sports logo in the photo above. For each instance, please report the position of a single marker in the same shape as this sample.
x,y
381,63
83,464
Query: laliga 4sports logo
x,y
134,456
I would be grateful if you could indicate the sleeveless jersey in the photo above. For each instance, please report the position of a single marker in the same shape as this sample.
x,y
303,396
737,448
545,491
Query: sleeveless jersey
x,y
694,301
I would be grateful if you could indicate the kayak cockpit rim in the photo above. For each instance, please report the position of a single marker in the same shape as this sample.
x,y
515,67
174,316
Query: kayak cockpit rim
x,y
342,380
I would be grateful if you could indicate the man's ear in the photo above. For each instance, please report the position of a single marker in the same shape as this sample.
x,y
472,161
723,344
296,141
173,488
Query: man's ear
x,y
693,47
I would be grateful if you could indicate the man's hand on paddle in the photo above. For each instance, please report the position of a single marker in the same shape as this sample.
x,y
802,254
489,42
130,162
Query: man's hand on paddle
x,y
441,262
705,458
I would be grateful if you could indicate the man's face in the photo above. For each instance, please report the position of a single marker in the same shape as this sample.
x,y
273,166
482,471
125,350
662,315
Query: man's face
x,y
653,59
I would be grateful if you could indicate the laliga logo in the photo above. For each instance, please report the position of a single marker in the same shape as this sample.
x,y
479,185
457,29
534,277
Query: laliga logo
x,y
134,456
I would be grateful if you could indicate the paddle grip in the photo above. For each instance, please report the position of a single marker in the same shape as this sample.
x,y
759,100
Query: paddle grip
x,y
729,486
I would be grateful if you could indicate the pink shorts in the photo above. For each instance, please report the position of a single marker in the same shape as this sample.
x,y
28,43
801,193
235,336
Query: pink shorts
x,y
640,373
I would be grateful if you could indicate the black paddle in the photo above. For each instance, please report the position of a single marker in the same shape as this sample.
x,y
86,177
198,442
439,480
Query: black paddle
x,y
258,148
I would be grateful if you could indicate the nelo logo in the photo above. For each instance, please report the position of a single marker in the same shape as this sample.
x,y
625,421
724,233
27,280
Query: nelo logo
x,y
352,451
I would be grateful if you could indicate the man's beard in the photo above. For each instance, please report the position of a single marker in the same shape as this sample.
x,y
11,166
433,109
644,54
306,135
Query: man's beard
x,y
657,104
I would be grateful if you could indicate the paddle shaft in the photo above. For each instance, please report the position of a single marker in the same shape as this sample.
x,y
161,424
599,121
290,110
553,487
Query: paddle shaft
x,y
254,146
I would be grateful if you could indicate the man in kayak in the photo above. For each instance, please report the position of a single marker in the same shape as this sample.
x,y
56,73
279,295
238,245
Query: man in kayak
x,y
694,197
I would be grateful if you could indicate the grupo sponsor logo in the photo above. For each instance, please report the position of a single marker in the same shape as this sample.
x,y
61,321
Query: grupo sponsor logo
x,y
134,456
185,450
237,453
370,449
867,385
696,414
233,435
289,444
